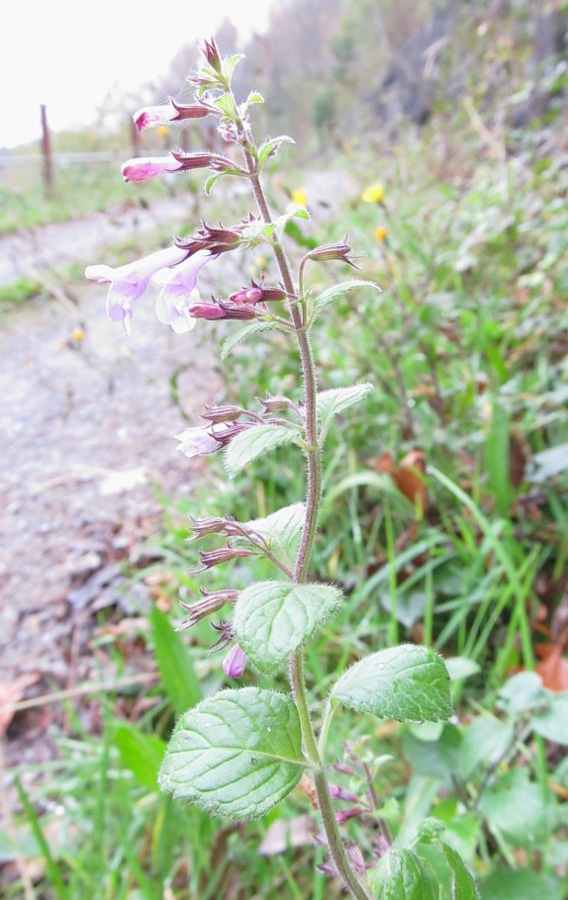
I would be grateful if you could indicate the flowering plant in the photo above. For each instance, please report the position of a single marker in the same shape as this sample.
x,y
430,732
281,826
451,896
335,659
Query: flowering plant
x,y
241,751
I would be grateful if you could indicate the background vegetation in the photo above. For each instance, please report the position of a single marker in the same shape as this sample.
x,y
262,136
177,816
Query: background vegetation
x,y
447,495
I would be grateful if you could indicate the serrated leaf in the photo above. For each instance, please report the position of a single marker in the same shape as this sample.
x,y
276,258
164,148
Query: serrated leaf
x,y
236,754
254,442
463,883
269,147
254,97
282,530
272,619
408,878
338,290
405,683
248,330
331,403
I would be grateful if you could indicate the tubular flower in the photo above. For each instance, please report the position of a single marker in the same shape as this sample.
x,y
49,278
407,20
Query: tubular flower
x,y
146,167
179,292
129,282
235,662
151,116
200,441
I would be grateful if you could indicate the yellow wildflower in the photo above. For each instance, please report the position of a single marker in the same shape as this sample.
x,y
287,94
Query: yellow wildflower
x,y
77,334
381,233
373,194
299,197
162,131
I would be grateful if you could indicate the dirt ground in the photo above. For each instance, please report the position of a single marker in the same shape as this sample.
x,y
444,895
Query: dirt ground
x,y
88,431
88,428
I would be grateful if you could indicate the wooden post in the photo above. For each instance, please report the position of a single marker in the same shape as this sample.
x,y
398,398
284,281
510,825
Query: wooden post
x,y
46,152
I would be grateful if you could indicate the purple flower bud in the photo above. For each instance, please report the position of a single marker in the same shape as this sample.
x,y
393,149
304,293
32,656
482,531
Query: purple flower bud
x,y
217,557
235,662
217,414
220,310
203,159
211,602
208,525
211,54
344,815
340,793
151,116
339,250
246,295
198,442
214,240
144,168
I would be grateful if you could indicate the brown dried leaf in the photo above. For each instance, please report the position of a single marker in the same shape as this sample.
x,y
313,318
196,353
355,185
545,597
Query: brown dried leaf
x,y
554,667
10,694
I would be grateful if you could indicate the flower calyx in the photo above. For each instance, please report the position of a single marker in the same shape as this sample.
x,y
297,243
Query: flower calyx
x,y
339,250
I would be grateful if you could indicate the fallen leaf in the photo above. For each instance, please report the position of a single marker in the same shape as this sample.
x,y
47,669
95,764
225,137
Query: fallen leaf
x,y
10,694
408,475
554,667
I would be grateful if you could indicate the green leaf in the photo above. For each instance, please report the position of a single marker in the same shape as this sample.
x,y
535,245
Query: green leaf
x,y
242,334
281,530
405,683
463,884
484,742
497,459
461,667
281,223
522,692
271,146
226,105
141,753
236,754
552,721
211,181
504,884
407,879
272,619
331,403
435,759
338,290
254,442
518,809
175,663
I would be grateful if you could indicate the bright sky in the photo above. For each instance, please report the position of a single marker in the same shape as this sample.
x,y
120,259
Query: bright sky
x,y
68,53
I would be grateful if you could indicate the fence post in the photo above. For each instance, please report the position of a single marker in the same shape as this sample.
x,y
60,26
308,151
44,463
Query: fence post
x,y
46,152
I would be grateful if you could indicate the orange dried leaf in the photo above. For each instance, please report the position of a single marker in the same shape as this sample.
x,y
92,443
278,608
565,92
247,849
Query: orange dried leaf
x,y
554,667
10,694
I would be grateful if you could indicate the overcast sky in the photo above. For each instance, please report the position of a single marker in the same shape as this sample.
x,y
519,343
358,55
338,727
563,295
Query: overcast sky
x,y
68,53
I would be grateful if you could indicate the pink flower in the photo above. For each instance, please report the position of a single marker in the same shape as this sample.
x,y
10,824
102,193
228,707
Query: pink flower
x,y
150,116
129,282
145,167
246,295
179,291
198,441
235,662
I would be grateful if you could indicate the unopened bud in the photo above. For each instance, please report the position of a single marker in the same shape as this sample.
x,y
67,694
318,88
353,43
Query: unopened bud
x,y
340,250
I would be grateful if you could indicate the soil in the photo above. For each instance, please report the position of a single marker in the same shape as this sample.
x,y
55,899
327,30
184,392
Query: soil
x,y
88,425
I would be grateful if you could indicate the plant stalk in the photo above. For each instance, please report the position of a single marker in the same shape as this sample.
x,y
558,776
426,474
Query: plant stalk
x,y
313,501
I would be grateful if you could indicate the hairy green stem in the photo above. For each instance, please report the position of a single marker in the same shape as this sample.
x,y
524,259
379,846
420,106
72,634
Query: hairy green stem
x,y
313,501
